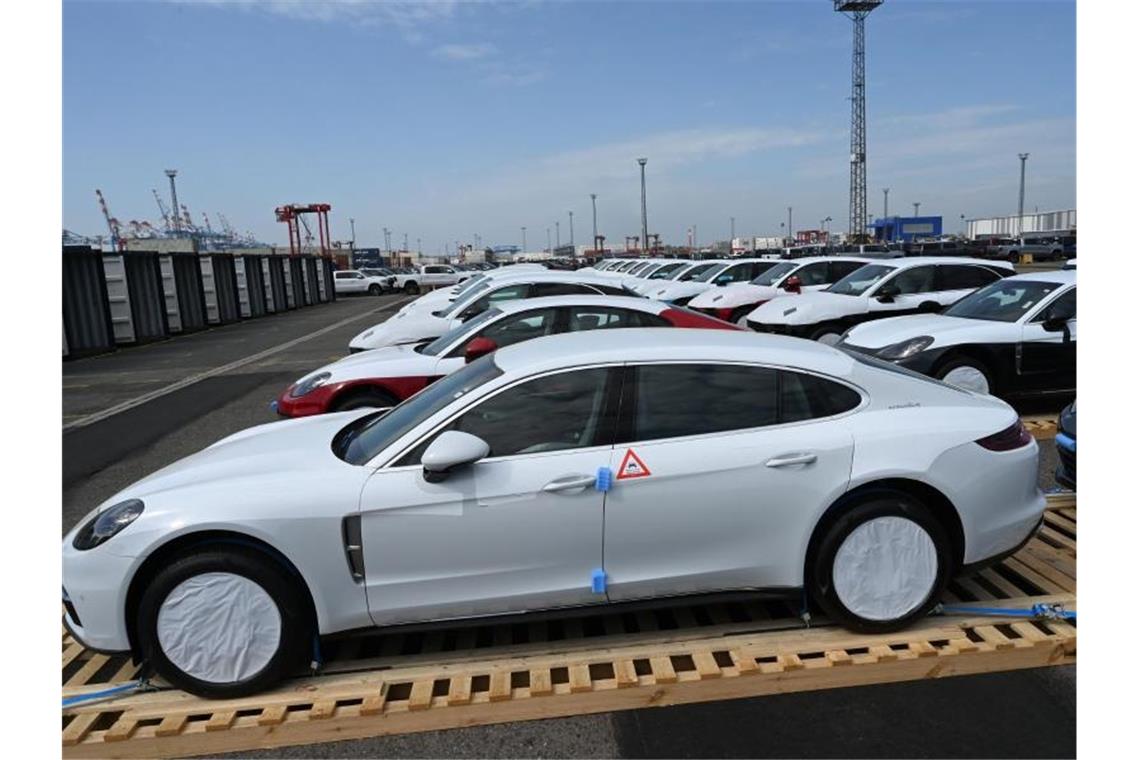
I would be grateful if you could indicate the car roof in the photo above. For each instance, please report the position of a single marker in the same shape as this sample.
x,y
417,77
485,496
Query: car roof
x,y
1060,276
814,259
620,302
553,275
914,261
650,344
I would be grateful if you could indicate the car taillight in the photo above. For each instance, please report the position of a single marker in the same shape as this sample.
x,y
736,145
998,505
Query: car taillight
x,y
724,314
1013,437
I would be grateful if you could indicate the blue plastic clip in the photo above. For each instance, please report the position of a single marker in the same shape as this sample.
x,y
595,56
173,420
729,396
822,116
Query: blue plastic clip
x,y
598,581
605,480
273,405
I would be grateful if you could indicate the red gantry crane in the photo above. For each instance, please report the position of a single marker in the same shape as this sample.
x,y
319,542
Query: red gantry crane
x,y
291,214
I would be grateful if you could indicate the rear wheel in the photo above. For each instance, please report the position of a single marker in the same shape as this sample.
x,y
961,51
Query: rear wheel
x,y
224,623
964,372
880,565
365,398
1014,257
411,287
375,290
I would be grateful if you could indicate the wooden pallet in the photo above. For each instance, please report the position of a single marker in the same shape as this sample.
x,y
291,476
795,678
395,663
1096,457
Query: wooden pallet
x,y
1041,426
691,654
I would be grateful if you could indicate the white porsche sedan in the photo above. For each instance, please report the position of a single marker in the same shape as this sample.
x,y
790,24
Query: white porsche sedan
x,y
681,291
436,299
417,325
566,471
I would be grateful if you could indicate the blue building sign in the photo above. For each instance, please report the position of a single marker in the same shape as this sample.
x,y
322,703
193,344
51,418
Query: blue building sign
x,y
905,228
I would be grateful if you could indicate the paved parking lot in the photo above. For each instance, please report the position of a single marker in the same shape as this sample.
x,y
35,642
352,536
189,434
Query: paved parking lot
x,y
244,366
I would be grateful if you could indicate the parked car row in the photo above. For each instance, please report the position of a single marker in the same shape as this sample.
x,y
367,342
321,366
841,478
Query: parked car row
x,y
531,440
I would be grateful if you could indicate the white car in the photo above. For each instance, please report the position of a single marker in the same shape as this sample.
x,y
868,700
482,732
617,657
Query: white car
x,y
887,288
1015,337
440,297
428,276
689,270
734,302
354,282
383,377
419,325
560,472
681,291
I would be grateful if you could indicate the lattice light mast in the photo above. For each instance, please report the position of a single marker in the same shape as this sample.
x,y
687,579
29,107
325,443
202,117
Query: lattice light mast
x,y
857,11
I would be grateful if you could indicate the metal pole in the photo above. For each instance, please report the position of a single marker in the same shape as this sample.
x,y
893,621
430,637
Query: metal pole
x,y
1020,196
791,235
886,191
352,224
594,206
524,240
548,248
644,215
571,228
405,242
916,205
731,234
174,213
557,236
419,248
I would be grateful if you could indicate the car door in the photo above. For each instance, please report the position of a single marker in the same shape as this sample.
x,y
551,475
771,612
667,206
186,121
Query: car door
x,y
711,489
1047,360
516,531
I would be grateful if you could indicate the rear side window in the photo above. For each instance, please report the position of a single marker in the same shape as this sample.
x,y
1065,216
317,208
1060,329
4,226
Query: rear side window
x,y
840,269
813,274
540,289
606,317
964,277
914,280
808,397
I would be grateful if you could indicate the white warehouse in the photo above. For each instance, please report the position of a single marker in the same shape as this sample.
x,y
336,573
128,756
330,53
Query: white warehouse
x,y
1007,226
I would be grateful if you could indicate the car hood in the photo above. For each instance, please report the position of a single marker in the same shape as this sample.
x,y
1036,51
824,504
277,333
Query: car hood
x,y
732,296
808,308
390,361
252,455
946,331
674,290
409,327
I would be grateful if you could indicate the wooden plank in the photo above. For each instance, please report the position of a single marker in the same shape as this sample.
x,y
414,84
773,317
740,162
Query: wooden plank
x,y
420,698
993,636
540,685
706,665
78,728
1055,536
121,730
745,663
500,686
322,709
459,690
373,704
171,725
221,720
1005,586
89,669
625,673
1050,587
69,654
922,649
271,716
580,679
662,668
884,653
837,657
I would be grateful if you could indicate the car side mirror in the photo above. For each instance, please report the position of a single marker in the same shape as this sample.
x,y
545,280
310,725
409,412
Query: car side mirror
x,y
793,284
478,347
887,293
1055,324
451,450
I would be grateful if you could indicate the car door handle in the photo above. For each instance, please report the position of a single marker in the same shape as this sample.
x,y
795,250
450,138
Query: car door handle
x,y
787,460
569,483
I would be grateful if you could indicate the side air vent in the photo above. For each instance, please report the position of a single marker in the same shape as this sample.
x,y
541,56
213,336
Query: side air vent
x,y
354,547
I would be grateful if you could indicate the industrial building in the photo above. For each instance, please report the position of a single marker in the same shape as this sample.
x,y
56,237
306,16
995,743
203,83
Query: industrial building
x,y
1012,226
904,229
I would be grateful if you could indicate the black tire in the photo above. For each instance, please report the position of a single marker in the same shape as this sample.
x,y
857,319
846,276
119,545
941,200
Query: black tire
x,y
1013,257
296,628
879,504
411,287
375,290
363,399
958,362
824,330
740,313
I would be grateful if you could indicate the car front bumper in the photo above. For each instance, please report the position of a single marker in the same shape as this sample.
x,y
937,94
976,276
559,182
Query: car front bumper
x,y
95,586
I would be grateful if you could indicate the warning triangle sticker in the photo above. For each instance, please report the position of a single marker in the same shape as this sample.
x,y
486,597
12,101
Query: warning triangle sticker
x,y
632,467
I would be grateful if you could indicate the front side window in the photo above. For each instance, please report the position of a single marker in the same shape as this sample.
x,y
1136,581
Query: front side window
x,y
513,329
813,274
1003,301
861,280
606,317
470,327
840,269
508,293
964,277
551,413
1065,307
695,273
710,275
666,271
737,273
914,280
775,273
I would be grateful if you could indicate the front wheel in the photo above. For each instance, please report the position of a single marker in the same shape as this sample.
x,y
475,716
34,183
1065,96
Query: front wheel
x,y
968,374
223,623
412,287
880,565
368,398
375,290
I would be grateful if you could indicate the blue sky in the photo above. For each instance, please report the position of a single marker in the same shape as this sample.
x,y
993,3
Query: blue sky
x,y
446,120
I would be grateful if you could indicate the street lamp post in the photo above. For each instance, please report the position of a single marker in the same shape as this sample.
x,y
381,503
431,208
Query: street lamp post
x,y
594,206
571,213
732,234
352,224
644,216
1021,196
916,205
524,240
549,249
886,191
557,236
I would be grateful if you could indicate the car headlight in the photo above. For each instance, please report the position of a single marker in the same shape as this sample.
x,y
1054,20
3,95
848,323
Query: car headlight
x,y
308,384
107,523
906,348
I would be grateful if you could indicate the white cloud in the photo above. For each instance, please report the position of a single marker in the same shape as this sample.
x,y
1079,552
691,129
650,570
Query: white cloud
x,y
401,13
468,52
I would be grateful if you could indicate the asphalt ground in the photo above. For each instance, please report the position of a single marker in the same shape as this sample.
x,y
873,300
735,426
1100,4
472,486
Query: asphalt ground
x,y
1017,714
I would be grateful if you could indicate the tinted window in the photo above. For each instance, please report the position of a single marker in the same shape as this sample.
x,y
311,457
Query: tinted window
x,y
840,269
605,317
344,275
1005,301
1065,307
861,279
667,270
774,274
807,397
552,413
508,293
737,273
540,289
963,277
813,274
695,272
512,329
914,280
692,399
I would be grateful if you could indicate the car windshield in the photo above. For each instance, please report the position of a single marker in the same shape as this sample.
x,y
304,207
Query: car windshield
x,y
362,439
640,268
439,344
859,281
463,300
708,274
1003,301
692,272
665,271
469,283
774,273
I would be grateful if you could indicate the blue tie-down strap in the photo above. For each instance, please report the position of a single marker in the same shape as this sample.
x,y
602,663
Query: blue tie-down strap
x,y
273,405
91,696
605,479
1040,611
598,581
1066,442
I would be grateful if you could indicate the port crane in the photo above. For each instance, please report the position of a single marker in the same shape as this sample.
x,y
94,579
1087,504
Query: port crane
x,y
292,215
113,227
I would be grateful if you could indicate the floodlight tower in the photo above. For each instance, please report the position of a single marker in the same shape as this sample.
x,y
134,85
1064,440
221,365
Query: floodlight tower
x,y
857,11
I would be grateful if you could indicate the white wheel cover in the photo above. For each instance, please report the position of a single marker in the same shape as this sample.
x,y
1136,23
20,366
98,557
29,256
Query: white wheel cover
x,y
219,627
967,378
885,568
830,339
